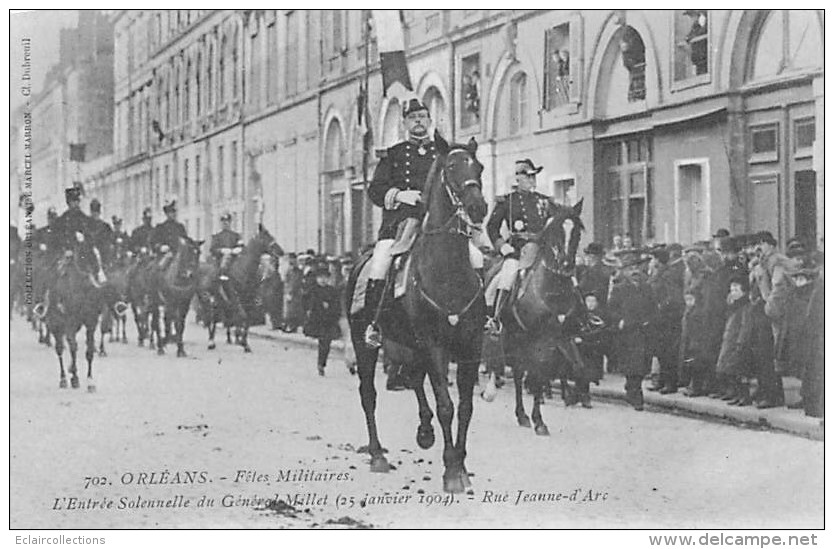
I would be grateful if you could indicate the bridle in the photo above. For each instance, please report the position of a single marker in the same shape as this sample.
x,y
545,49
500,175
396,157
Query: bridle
x,y
459,223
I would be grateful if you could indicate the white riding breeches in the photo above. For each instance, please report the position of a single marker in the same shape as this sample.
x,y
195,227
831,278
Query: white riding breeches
x,y
508,274
381,260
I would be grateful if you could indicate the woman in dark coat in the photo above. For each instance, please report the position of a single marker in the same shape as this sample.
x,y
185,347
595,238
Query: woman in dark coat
x,y
322,306
733,367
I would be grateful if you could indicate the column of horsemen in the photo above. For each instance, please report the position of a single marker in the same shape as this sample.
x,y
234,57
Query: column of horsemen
x,y
720,317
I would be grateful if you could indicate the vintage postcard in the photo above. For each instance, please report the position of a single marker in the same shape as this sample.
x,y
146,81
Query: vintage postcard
x,y
417,269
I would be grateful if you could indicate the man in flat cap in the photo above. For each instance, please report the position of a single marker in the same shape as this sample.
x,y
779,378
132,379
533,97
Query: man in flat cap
x,y
225,245
524,212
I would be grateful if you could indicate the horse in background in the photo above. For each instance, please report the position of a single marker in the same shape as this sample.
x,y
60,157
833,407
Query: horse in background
x,y
74,301
115,306
235,301
141,293
175,286
439,317
542,317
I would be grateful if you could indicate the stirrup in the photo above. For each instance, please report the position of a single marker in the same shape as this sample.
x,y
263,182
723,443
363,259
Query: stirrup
x,y
40,310
373,339
493,327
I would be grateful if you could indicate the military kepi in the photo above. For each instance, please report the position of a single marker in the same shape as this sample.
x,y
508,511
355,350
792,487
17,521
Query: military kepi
x,y
413,105
527,167
72,194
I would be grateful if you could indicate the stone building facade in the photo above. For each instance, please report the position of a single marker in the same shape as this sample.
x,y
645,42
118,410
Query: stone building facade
x,y
670,124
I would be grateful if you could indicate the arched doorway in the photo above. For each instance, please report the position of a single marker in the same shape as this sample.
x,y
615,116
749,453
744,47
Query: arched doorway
x,y
333,189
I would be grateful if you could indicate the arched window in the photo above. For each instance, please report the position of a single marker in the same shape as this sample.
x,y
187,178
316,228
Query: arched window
x,y
333,157
235,62
518,103
391,126
437,107
633,52
221,71
787,40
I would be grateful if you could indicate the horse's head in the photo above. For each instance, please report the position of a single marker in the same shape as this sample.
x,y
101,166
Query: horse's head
x,y
460,173
560,238
263,243
189,256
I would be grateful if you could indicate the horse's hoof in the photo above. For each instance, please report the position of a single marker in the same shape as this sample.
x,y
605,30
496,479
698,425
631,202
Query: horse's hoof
x,y
542,430
425,436
181,353
489,393
160,351
380,465
74,383
102,352
453,483
62,384
141,343
212,346
524,421
464,477
91,388
247,349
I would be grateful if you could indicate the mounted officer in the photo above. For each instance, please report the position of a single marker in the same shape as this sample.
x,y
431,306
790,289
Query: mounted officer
x,y
166,235
101,233
121,239
225,246
42,237
524,212
140,239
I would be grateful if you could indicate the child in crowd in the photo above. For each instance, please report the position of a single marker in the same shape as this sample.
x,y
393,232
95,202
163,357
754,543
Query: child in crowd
x,y
734,360
322,307
593,341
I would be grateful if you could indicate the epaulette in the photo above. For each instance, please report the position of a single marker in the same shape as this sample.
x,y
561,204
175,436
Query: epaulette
x,y
381,153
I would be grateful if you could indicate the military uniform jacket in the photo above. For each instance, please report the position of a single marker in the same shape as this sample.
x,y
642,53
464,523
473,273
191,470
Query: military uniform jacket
x,y
64,229
405,166
140,238
224,239
168,232
121,239
103,239
523,212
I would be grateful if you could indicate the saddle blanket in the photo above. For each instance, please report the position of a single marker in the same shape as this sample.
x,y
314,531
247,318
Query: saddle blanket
x,y
400,277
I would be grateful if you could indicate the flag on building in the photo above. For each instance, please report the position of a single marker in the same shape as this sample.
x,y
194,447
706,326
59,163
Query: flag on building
x,y
77,152
391,44
364,123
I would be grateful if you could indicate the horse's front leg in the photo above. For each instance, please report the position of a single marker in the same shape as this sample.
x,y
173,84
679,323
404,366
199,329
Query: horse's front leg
x,y
179,326
366,365
537,385
467,378
438,369
73,347
518,380
425,430
59,350
156,330
91,347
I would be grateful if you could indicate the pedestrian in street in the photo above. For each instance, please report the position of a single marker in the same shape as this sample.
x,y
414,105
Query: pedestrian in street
x,y
813,379
734,360
293,307
694,363
322,306
632,308
593,342
666,282
799,336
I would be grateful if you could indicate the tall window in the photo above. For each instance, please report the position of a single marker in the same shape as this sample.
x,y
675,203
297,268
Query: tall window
x,y
210,79
633,53
787,40
235,63
518,103
221,191
254,89
628,175
167,187
292,53
271,63
186,96
470,90
233,169
558,78
221,72
198,89
198,190
185,187
174,107
691,44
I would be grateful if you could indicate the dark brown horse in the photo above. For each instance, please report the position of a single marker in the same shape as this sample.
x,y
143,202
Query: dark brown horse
x,y
74,301
440,316
537,338
176,284
233,301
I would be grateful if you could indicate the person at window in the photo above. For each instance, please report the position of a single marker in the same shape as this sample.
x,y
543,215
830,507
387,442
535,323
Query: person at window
x,y
697,40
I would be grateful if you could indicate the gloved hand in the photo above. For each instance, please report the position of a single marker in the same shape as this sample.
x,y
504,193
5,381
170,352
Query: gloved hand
x,y
409,197
42,247
67,253
79,236
164,248
506,249
225,251
129,253
236,250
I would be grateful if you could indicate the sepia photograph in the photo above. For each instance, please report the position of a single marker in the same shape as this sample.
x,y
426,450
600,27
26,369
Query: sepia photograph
x,y
417,269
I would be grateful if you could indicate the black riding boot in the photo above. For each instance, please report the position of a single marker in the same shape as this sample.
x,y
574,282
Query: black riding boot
x,y
373,303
